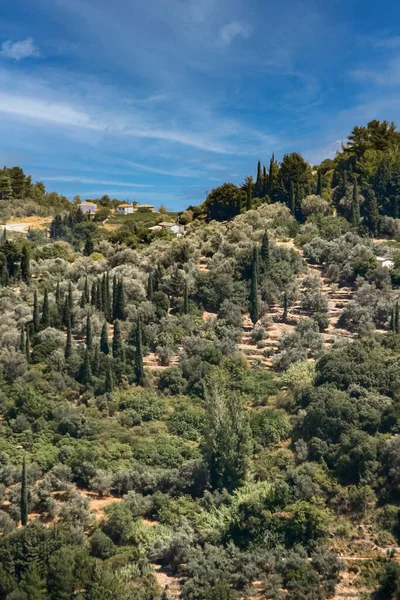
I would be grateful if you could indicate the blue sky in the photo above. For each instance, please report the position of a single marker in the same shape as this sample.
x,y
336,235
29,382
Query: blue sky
x,y
161,100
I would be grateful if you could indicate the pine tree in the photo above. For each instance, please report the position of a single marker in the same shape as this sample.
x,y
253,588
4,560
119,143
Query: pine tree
x,y
355,206
109,384
119,312
249,199
150,286
68,344
264,252
186,299
24,506
117,346
319,183
6,191
45,320
89,246
32,583
104,345
254,303
139,369
36,316
371,212
285,307
22,340
89,333
25,265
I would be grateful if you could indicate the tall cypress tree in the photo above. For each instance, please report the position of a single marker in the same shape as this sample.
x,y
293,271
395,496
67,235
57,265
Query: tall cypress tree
x,y
71,304
89,246
104,294
93,294
249,198
27,346
371,212
85,374
36,316
89,333
355,206
66,315
139,369
107,307
259,175
150,286
58,296
254,303
119,312
186,299
397,318
319,183
104,345
25,265
99,296
114,296
96,361
109,384
285,307
45,321
68,344
22,340
24,506
264,252
117,346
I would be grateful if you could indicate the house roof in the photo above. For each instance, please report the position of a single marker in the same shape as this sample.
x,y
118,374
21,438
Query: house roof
x,y
88,204
145,206
125,205
166,224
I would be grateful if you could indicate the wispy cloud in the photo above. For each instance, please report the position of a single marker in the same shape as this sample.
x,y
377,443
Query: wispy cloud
x,y
79,180
387,75
235,29
19,50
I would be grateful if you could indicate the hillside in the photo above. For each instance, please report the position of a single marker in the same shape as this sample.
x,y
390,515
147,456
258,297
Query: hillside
x,y
213,416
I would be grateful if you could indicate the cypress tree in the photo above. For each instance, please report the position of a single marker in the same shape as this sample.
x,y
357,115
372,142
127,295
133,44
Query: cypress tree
x,y
120,301
114,296
264,252
254,307
107,307
22,340
109,384
249,198
89,333
93,294
82,303
24,506
85,370
36,317
319,183
68,344
259,174
27,346
104,345
5,279
25,265
371,212
355,206
139,369
117,346
186,299
96,362
71,304
265,182
58,296
285,307
99,296
292,199
104,294
86,290
271,174
150,286
45,321
66,315
89,246
4,234
397,318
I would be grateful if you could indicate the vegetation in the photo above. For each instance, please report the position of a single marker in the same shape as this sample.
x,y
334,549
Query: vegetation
x,y
221,406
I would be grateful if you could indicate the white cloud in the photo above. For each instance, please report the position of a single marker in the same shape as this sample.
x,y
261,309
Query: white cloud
x,y
80,180
19,50
229,31
388,75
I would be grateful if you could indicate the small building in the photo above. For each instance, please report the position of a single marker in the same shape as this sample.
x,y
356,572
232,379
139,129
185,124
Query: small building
x,y
385,262
125,209
144,208
88,207
174,228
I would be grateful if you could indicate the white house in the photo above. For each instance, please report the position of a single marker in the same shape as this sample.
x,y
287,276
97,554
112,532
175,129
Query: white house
x,y
125,209
88,207
174,228
385,262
